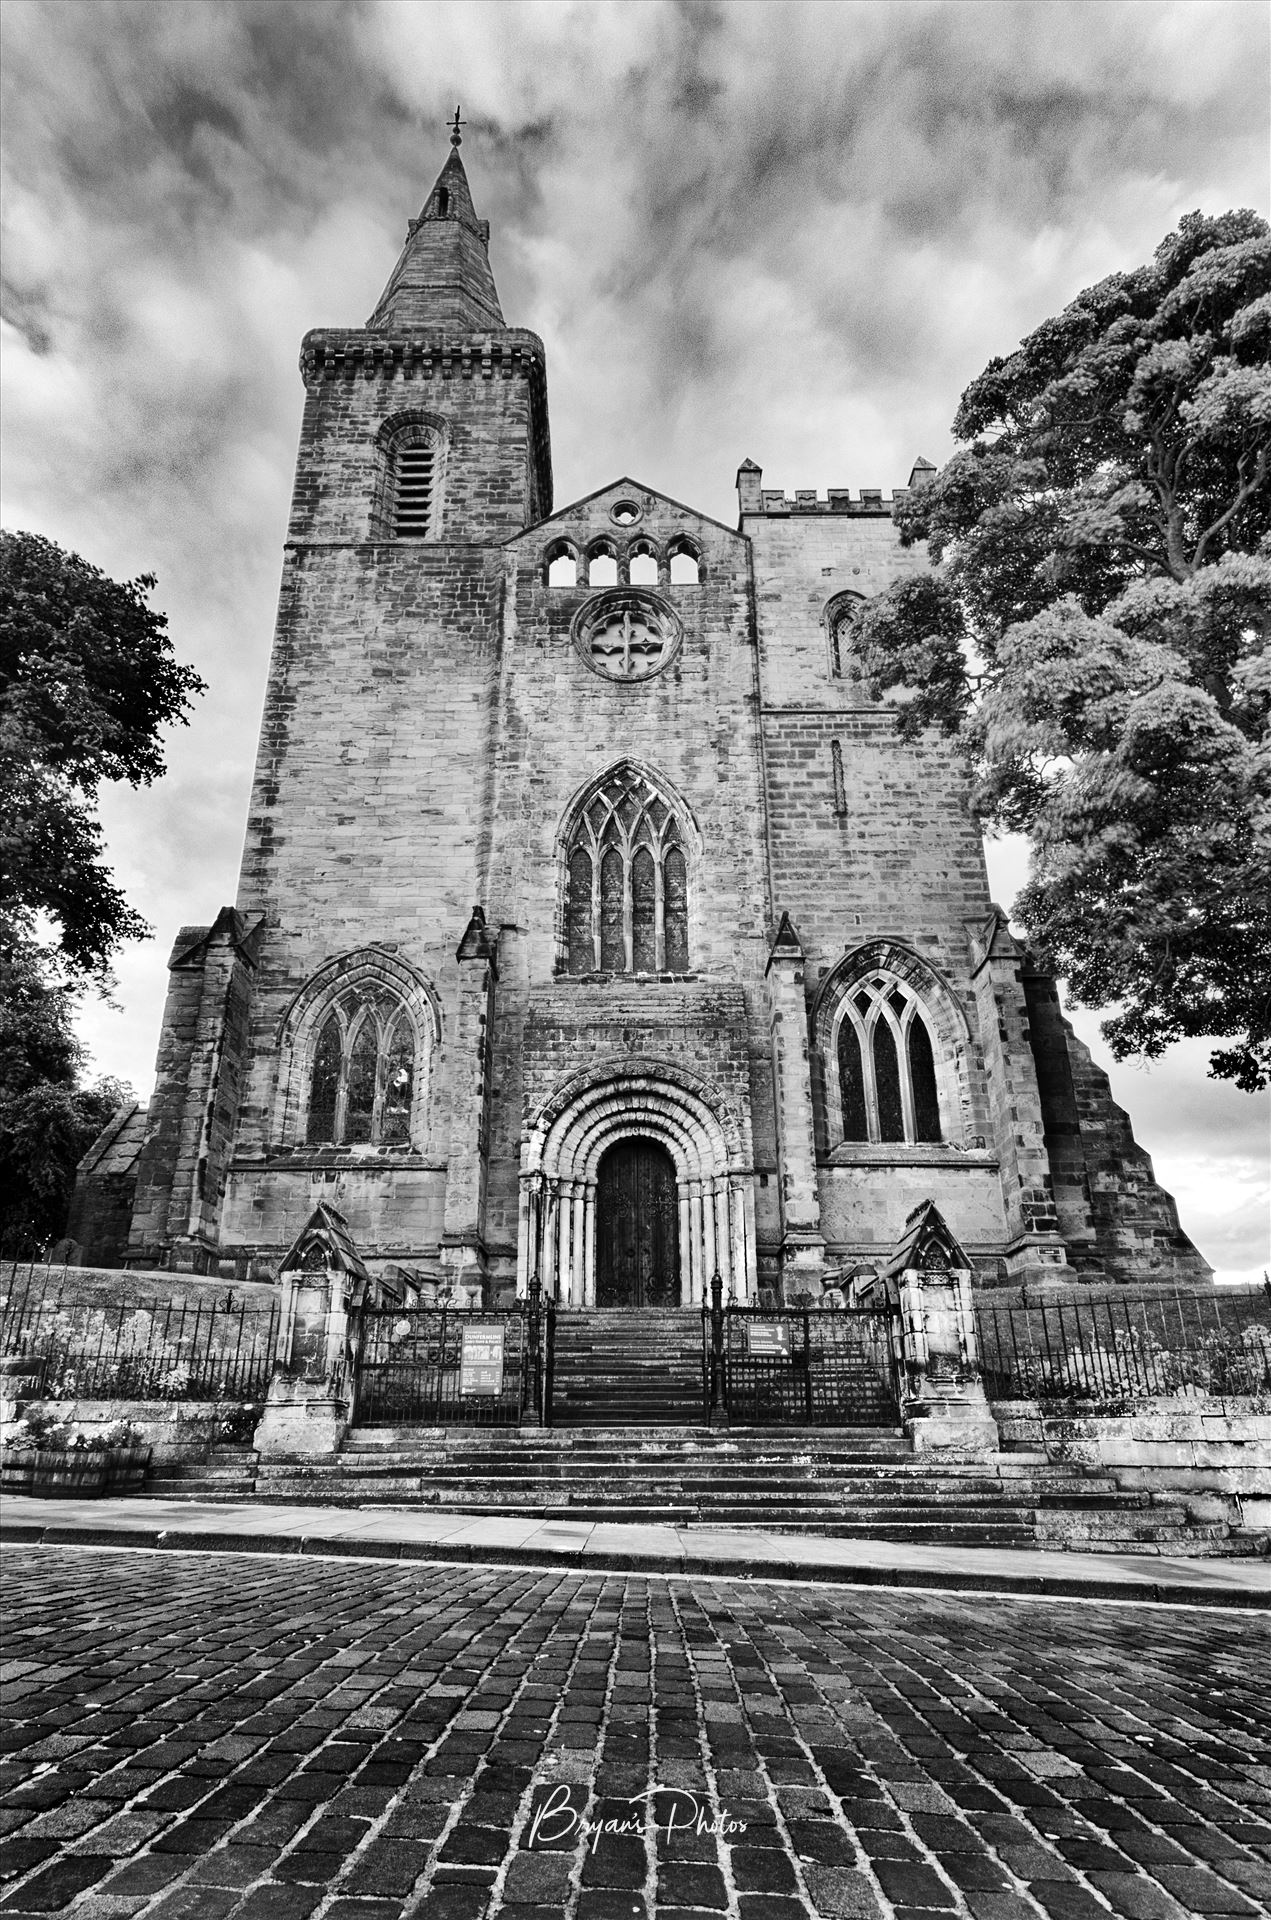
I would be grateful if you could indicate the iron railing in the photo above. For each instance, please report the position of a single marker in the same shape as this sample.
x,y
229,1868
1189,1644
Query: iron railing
x,y
437,1366
820,1367
1107,1347
69,1348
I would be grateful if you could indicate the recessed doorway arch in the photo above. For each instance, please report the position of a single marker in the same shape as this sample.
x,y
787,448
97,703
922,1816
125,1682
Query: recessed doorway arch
x,y
674,1111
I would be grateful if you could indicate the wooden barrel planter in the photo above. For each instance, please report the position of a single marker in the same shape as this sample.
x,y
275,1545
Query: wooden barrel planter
x,y
17,1469
127,1468
74,1474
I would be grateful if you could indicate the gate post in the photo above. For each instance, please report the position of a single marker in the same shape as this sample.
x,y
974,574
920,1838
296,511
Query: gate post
x,y
718,1415
532,1415
324,1285
942,1398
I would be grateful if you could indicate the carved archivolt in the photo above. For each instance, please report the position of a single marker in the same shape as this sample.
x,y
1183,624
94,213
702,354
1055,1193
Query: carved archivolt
x,y
561,1156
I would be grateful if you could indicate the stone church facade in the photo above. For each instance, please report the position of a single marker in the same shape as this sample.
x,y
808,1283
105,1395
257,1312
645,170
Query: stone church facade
x,y
592,920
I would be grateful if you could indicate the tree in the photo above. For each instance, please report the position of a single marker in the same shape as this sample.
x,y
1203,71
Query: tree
x,y
48,1119
87,681
1094,637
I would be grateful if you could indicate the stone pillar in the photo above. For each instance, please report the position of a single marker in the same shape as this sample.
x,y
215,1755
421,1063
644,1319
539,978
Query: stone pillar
x,y
802,1242
463,1252
942,1398
324,1285
193,1114
1035,1250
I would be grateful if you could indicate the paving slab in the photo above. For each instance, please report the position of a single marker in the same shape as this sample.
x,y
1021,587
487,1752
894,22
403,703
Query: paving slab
x,y
252,1526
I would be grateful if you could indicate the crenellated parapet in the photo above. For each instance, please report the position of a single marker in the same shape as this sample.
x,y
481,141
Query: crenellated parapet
x,y
754,498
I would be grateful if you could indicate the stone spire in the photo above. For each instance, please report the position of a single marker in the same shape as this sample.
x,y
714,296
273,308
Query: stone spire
x,y
442,282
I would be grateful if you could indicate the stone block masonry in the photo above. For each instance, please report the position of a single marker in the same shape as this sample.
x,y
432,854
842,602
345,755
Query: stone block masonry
x,y
624,742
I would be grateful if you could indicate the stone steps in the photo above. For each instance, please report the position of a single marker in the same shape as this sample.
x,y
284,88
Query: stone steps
x,y
845,1484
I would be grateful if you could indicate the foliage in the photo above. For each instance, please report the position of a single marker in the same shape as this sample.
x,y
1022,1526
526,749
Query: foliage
x,y
1094,636
87,682
48,1120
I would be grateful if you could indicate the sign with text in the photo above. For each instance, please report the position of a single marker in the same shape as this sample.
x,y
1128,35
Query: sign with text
x,y
768,1337
481,1362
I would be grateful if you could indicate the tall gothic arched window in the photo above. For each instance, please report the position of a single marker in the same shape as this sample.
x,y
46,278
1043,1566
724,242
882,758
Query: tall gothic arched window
x,y
626,881
362,1078
887,1069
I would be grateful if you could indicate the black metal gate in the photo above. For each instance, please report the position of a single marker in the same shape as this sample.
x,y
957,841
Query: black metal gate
x,y
440,1366
821,1367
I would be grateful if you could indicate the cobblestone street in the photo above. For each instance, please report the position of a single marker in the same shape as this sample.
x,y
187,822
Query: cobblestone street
x,y
205,1736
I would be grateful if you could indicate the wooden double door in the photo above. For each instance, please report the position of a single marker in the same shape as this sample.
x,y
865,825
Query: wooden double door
x,y
637,1227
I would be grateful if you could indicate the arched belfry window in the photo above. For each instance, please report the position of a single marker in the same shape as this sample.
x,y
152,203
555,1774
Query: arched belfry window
x,y
886,1064
839,617
409,493
626,880
357,1051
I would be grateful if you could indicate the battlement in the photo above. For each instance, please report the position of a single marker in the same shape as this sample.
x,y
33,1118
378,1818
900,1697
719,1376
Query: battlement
x,y
754,498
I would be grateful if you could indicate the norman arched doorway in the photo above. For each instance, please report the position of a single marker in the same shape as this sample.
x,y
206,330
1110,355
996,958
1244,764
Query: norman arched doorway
x,y
646,1105
637,1226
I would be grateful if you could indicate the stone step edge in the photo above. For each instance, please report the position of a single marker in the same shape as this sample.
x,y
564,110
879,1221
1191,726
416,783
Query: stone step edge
x,y
1064,1585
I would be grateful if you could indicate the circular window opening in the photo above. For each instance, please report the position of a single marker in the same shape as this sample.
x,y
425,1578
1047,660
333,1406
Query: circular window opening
x,y
625,513
627,635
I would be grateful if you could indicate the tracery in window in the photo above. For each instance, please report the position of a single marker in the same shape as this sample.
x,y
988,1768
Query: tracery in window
x,y
626,881
362,1079
887,1073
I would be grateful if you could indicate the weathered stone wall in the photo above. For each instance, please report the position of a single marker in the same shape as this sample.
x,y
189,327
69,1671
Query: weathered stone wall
x,y
431,717
869,839
100,1216
1119,1220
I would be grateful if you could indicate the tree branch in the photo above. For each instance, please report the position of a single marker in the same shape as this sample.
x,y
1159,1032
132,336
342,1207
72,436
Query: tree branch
x,y
1246,493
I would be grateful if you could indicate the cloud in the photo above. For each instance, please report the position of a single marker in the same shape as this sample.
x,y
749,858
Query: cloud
x,y
788,231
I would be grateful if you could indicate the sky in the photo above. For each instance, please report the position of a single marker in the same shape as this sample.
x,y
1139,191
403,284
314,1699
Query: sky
x,y
784,230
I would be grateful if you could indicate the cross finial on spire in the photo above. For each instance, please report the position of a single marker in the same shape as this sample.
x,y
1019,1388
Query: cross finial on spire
x,y
456,138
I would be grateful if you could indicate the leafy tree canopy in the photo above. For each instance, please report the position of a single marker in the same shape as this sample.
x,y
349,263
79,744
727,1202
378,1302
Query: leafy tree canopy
x,y
87,682
1094,636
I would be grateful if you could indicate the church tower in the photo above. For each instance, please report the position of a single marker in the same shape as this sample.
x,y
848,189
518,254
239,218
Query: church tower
x,y
594,925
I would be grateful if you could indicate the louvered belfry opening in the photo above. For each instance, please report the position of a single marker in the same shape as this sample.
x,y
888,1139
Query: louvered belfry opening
x,y
626,907
414,486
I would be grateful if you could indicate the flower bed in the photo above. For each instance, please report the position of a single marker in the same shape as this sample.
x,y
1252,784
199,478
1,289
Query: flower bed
x,y
47,1457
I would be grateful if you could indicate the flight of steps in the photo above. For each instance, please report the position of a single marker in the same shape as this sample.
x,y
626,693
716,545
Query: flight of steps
x,y
847,1483
627,1369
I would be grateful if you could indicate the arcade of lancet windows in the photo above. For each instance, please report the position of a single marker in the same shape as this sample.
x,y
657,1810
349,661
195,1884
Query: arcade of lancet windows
x,y
626,880
638,563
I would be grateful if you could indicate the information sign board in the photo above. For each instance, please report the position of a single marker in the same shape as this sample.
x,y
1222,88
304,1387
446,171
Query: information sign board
x,y
481,1361
770,1337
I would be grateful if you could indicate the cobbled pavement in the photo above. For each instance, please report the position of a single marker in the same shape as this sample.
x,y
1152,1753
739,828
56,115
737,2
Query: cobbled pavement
x,y
190,1736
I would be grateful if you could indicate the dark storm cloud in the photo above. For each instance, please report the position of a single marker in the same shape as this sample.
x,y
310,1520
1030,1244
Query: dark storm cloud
x,y
788,230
